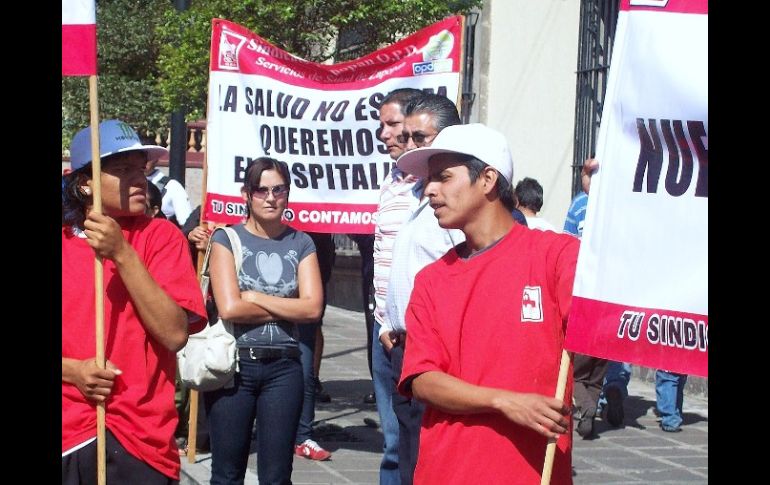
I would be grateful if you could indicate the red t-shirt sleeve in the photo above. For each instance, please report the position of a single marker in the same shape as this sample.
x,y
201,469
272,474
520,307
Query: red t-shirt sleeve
x,y
168,261
425,350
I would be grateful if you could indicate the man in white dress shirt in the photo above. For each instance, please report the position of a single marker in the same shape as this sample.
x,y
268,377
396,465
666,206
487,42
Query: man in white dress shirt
x,y
176,203
395,201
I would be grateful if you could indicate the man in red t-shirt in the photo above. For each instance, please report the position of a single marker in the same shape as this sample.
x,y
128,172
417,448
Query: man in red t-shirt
x,y
487,323
151,301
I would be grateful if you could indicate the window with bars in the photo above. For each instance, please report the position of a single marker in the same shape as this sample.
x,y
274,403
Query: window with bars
x,y
596,34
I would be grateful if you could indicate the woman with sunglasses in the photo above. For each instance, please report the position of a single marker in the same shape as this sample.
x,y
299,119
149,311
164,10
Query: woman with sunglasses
x,y
278,287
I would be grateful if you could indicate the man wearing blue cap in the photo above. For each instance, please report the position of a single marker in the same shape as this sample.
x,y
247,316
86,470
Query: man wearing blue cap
x,y
486,323
151,301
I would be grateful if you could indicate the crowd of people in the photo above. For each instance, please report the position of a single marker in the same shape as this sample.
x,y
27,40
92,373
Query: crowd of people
x,y
453,354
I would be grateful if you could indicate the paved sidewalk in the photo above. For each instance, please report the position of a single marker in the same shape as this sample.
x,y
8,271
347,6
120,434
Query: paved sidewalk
x,y
637,453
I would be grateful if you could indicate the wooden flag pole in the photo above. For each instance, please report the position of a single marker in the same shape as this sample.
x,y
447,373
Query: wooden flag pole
x,y
96,186
460,87
561,385
192,426
192,419
192,423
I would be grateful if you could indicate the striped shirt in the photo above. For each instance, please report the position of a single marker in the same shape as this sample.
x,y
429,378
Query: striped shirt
x,y
576,214
399,198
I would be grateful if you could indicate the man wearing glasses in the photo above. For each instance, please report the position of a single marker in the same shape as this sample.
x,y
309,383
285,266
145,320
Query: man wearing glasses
x,y
424,120
395,200
420,241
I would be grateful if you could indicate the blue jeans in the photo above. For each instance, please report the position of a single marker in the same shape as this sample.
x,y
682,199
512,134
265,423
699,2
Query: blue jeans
x,y
669,394
307,347
383,383
271,391
618,375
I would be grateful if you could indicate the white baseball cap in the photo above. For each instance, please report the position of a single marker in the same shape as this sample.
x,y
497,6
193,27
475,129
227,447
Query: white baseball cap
x,y
474,139
114,137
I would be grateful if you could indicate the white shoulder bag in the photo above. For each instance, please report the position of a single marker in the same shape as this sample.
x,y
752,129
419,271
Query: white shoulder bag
x,y
209,360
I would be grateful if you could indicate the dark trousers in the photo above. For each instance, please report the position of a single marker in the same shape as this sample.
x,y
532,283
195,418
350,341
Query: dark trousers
x,y
307,347
270,390
369,320
365,244
409,415
588,373
79,467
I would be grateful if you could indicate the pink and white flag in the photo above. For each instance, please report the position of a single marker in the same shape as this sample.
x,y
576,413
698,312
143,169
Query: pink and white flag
x,y
78,37
641,286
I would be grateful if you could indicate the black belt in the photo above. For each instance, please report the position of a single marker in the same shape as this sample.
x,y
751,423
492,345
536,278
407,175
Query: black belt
x,y
257,353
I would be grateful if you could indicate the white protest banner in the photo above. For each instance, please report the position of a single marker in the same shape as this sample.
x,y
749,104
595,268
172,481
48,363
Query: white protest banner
x,y
320,119
641,287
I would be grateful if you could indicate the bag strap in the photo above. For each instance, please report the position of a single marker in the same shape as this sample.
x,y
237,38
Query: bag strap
x,y
235,244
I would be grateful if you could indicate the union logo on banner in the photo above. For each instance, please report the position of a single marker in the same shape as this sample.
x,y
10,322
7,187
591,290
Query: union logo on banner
x,y
435,55
230,44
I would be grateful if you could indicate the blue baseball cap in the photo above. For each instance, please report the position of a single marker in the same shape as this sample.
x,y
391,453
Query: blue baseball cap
x,y
114,137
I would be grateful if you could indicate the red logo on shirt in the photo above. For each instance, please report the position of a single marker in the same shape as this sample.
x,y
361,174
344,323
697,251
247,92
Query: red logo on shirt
x,y
531,305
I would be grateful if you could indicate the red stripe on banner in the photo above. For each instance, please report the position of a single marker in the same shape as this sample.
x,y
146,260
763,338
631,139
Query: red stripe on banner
x,y
650,337
78,50
303,216
223,208
429,51
334,218
675,6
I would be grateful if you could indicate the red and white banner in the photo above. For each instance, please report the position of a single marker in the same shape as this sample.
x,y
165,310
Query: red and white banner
x,y
321,119
78,38
641,287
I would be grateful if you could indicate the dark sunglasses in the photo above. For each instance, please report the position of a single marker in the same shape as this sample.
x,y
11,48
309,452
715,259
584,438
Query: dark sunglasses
x,y
278,191
417,137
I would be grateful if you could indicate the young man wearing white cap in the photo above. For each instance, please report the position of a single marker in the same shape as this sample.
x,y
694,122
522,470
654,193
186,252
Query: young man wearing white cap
x,y
151,300
486,323
419,241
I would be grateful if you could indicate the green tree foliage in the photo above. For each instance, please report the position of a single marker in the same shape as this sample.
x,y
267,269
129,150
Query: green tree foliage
x,y
127,50
307,28
154,59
